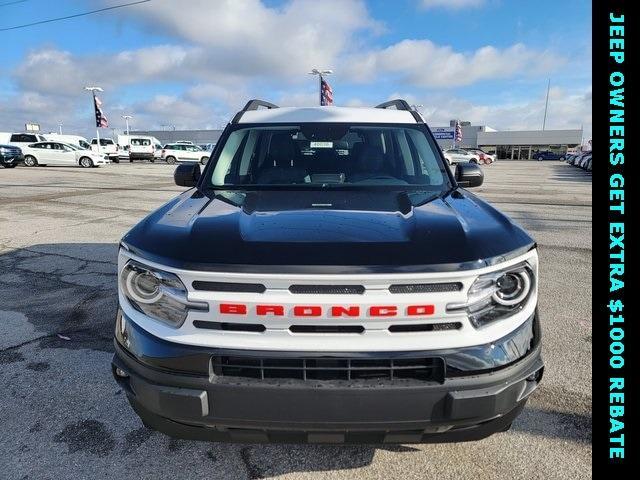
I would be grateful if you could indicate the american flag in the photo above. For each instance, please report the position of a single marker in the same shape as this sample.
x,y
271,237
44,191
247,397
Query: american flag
x,y
458,131
101,120
326,94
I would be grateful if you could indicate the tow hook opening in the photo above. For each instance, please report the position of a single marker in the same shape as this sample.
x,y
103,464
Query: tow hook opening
x,y
536,376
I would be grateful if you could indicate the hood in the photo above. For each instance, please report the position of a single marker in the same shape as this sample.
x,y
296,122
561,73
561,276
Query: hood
x,y
331,232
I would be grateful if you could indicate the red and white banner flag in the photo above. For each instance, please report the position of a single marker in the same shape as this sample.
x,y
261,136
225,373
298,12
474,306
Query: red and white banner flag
x,y
326,93
101,120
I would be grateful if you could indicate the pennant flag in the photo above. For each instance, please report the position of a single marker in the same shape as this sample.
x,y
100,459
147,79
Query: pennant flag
x,y
458,131
101,120
326,94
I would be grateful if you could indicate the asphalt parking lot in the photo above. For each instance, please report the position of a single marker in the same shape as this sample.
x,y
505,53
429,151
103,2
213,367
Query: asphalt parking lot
x,y
63,416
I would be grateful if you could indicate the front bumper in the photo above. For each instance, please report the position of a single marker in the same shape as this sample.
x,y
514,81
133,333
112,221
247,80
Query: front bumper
x,y
141,156
13,160
173,389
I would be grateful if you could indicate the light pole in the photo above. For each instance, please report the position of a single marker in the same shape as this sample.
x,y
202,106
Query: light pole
x,y
320,74
93,91
126,120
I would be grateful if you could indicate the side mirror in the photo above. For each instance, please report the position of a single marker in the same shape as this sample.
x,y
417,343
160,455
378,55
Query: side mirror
x,y
187,175
469,175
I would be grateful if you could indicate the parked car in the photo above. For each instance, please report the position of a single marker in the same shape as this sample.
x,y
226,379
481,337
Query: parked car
x,y
484,158
157,150
207,147
577,159
20,139
583,161
107,147
141,148
184,152
61,154
10,156
364,297
460,155
547,155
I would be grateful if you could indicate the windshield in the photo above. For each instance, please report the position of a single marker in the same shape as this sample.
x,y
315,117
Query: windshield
x,y
322,155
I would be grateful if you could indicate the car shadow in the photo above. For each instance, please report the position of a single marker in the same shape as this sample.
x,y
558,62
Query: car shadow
x,y
568,173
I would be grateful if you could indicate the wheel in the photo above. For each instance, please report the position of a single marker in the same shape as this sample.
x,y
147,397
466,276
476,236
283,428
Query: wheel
x,y
30,161
171,160
116,160
561,159
152,160
86,162
540,158
473,160
204,160
10,165
131,160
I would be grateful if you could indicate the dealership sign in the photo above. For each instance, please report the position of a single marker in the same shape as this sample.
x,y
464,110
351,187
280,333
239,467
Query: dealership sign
x,y
443,133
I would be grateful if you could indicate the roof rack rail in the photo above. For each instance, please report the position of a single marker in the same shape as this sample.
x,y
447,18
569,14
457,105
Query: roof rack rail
x,y
253,105
400,104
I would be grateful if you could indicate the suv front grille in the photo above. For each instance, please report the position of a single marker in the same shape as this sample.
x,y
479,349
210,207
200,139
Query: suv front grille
x,y
429,369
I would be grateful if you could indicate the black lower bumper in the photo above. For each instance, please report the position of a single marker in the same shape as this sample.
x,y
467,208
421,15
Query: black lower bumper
x,y
11,161
141,156
186,404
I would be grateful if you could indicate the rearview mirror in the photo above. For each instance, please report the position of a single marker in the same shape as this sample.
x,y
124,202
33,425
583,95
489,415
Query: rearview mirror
x,y
187,175
469,175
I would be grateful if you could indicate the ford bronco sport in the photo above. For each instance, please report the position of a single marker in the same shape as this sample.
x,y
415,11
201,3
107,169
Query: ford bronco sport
x,y
328,278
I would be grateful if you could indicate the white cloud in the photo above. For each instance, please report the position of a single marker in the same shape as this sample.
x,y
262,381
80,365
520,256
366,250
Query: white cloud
x,y
423,63
452,4
225,52
248,38
567,110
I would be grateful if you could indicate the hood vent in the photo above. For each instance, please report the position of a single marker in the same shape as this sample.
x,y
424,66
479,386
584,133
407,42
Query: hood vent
x,y
229,287
327,289
426,287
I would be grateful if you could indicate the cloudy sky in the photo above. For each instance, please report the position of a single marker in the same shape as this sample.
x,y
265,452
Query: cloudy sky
x,y
192,63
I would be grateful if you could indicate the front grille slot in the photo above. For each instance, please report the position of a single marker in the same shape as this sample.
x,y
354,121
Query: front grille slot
x,y
426,287
229,287
425,327
230,327
326,328
327,289
330,369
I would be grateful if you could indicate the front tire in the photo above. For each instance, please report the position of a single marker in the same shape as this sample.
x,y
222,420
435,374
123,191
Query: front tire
x,y
9,165
86,162
540,159
30,161
171,160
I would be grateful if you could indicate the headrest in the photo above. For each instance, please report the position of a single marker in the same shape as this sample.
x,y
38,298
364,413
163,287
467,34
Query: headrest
x,y
281,150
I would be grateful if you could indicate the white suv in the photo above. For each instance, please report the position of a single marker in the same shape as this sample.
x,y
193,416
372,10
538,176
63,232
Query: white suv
x,y
184,152
108,148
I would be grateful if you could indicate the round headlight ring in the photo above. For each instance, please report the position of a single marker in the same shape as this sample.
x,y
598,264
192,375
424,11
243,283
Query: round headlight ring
x,y
519,286
143,286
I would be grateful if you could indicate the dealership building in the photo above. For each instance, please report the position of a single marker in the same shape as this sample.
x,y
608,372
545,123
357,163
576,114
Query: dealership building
x,y
508,144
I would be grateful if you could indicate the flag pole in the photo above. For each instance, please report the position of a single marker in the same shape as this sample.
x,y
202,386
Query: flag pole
x,y
97,128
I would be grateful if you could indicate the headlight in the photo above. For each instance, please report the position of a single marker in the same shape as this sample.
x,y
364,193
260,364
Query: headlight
x,y
497,295
158,294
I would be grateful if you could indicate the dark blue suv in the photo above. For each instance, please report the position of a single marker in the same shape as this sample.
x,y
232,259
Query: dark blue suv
x,y
547,155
